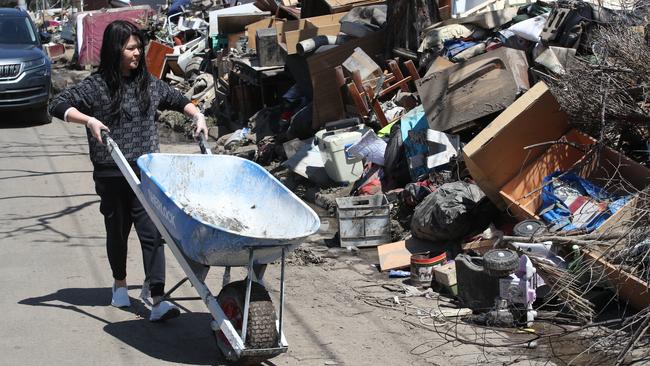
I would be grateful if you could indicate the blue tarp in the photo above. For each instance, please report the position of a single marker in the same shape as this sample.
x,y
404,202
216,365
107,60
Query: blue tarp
x,y
413,126
557,213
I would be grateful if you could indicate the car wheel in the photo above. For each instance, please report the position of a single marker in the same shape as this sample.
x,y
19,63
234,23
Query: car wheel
x,y
41,115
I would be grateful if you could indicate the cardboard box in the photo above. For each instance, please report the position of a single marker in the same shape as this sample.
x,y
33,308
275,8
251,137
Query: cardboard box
x,y
497,153
511,174
446,274
294,31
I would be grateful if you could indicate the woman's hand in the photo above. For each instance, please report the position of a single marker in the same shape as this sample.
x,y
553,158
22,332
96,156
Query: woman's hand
x,y
201,126
96,126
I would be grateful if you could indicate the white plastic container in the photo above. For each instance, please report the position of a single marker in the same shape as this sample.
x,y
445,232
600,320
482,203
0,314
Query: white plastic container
x,y
340,166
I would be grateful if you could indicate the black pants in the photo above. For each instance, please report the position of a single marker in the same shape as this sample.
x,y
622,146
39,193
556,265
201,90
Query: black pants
x,y
121,209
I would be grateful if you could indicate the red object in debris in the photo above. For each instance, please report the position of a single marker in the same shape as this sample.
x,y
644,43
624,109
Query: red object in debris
x,y
286,115
428,259
54,51
371,187
94,24
177,41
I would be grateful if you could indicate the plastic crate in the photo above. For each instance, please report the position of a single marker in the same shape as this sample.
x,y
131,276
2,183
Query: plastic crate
x,y
364,221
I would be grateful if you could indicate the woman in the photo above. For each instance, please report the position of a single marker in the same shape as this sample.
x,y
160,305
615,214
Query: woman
x,y
122,98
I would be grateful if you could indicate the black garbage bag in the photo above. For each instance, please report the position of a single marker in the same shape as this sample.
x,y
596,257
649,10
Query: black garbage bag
x,y
300,125
396,170
363,20
452,212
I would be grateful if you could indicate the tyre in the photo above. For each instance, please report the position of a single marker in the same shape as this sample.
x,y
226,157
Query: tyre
x,y
500,262
529,228
261,331
41,115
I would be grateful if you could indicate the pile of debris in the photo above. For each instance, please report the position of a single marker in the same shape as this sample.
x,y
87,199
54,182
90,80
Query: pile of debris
x,y
504,146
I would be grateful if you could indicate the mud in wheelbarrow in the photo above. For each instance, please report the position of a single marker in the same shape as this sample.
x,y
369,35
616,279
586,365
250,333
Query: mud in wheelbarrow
x,y
215,210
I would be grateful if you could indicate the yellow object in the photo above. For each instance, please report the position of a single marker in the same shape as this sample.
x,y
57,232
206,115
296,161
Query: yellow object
x,y
386,130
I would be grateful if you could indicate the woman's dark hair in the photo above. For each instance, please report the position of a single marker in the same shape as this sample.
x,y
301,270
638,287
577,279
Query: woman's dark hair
x,y
116,36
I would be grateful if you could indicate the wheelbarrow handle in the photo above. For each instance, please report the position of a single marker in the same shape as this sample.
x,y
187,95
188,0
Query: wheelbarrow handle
x,y
107,141
105,136
203,144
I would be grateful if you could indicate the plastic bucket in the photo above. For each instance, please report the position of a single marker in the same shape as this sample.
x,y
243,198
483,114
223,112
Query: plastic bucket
x,y
422,267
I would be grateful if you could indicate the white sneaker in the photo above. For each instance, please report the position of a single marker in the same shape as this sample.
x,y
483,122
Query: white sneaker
x,y
120,297
164,311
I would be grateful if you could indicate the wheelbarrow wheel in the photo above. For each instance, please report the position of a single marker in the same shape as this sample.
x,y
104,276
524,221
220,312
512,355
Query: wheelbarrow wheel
x,y
261,331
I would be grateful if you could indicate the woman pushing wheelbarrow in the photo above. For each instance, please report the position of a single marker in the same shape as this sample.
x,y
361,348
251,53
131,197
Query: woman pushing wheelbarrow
x,y
122,97
211,210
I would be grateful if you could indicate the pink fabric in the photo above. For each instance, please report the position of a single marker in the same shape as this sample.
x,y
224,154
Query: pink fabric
x,y
94,25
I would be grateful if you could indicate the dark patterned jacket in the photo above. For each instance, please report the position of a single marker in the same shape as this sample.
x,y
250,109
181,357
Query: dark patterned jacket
x,y
135,132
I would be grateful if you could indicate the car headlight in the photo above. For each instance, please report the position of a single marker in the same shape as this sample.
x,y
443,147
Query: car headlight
x,y
34,63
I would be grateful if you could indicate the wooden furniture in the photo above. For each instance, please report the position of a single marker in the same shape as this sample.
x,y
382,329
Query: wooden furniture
x,y
366,98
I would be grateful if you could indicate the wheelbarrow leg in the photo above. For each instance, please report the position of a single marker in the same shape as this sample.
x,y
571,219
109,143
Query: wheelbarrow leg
x,y
280,340
258,271
226,277
247,300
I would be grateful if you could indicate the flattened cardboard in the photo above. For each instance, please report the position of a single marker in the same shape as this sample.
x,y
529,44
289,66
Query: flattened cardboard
x,y
398,255
360,61
439,64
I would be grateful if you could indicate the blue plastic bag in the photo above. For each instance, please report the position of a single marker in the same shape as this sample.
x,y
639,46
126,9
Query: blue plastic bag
x,y
455,46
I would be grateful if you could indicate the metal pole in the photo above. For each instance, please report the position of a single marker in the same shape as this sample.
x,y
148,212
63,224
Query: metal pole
x,y
249,284
281,296
226,277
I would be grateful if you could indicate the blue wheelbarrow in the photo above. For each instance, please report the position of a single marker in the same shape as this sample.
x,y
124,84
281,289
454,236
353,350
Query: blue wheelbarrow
x,y
219,210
